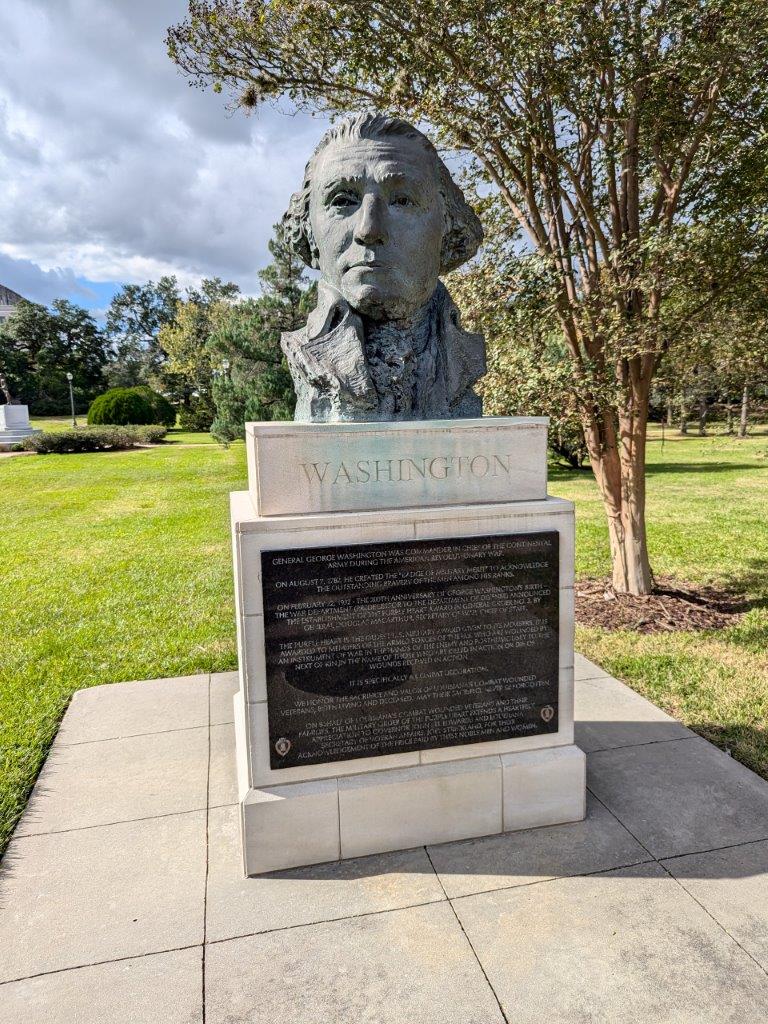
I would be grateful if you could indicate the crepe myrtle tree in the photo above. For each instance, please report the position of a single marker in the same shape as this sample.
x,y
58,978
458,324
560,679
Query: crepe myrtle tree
x,y
503,295
602,126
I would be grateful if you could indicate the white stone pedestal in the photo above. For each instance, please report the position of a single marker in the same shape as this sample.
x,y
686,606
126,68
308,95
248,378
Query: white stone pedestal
x,y
313,813
14,424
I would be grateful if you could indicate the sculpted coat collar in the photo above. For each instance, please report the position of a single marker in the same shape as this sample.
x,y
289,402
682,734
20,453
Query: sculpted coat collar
x,y
328,357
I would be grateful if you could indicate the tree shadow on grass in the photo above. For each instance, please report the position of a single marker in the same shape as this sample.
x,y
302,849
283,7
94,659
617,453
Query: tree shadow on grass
x,y
670,468
751,580
559,472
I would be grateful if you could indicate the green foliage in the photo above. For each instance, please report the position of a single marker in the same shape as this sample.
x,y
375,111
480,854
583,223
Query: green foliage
x,y
256,384
152,433
187,374
720,355
528,371
92,439
39,346
599,135
121,406
137,405
198,413
162,410
159,339
134,318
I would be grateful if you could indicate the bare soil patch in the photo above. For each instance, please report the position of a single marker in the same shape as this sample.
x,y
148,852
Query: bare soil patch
x,y
674,606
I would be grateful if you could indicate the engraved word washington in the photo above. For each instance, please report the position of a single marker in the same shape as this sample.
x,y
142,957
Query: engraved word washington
x,y
375,471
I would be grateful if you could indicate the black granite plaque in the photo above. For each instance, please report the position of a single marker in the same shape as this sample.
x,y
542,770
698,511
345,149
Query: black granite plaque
x,y
380,648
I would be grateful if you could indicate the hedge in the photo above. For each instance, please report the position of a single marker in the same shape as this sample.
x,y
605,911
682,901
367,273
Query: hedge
x,y
92,439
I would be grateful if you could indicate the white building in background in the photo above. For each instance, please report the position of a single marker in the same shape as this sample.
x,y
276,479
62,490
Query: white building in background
x,y
8,301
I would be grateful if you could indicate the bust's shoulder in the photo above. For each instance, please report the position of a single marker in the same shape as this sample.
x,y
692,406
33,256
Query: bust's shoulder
x,y
291,340
465,349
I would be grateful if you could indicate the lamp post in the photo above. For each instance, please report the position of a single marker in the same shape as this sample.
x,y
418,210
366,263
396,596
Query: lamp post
x,y
72,400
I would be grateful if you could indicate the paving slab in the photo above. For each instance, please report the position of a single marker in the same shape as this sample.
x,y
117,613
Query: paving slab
x,y
76,898
570,923
685,796
629,946
131,709
237,905
583,668
732,885
107,781
412,966
224,686
609,714
162,987
520,858
222,781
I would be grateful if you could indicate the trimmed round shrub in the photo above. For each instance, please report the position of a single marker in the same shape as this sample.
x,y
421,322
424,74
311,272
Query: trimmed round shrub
x,y
121,406
165,413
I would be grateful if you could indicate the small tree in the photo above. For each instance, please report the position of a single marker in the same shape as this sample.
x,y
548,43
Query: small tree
x,y
602,126
257,384
187,374
134,319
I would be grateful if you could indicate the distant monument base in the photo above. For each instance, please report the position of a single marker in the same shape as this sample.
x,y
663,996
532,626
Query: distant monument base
x,y
405,630
14,425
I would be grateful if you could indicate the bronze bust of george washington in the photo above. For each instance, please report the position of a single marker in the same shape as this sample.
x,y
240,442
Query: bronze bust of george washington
x,y
381,218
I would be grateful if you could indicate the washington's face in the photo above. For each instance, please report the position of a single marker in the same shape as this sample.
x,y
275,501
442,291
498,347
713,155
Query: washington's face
x,y
377,219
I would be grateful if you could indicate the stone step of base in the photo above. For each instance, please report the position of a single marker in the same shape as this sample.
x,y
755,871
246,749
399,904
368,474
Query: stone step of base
x,y
8,437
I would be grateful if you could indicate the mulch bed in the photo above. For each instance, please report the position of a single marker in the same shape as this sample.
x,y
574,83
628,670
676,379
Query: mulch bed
x,y
673,606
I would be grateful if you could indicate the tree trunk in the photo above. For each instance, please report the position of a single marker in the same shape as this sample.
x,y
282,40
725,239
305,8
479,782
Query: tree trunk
x,y
619,467
670,414
743,422
703,413
729,417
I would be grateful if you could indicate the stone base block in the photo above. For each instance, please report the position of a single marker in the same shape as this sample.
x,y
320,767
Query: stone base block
x,y
8,438
433,803
544,787
289,826
311,822
14,417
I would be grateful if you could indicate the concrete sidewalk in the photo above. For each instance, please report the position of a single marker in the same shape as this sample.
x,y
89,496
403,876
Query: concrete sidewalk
x,y
122,900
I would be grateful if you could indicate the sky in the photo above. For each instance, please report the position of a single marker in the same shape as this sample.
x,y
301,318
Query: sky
x,y
113,170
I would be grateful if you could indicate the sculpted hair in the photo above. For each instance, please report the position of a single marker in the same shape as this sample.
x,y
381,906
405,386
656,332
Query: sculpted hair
x,y
463,232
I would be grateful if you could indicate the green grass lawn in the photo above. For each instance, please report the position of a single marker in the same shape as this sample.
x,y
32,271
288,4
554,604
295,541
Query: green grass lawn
x,y
118,566
707,521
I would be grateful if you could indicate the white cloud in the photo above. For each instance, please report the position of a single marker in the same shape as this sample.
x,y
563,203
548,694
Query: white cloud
x,y
112,167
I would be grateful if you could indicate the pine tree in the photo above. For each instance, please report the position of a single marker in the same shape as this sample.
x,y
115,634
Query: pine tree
x,y
256,384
